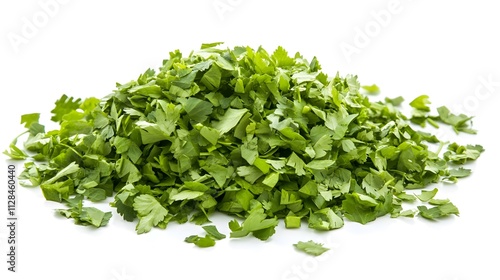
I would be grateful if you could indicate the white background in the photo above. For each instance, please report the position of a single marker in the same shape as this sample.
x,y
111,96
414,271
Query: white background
x,y
445,49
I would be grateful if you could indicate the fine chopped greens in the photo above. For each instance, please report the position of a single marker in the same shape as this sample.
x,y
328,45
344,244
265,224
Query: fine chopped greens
x,y
84,215
257,135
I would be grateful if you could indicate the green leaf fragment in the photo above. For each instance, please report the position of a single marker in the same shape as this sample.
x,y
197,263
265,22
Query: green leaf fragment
x,y
427,195
256,223
292,222
310,247
213,232
358,209
84,215
395,101
458,122
202,242
229,120
149,211
442,210
325,219
373,89
421,103
64,106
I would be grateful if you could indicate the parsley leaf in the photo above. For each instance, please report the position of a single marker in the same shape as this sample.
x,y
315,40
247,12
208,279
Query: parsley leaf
x,y
84,215
373,89
420,103
256,223
202,242
458,122
310,247
149,211
213,232
64,106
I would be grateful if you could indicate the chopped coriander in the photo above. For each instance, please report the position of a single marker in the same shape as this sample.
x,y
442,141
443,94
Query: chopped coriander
x,y
213,232
373,89
420,103
84,215
258,135
442,210
202,242
427,195
292,222
310,247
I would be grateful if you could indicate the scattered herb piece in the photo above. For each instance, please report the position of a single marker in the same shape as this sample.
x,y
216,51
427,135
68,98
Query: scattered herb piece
x,y
458,122
202,242
395,101
427,195
373,89
292,222
310,247
442,210
213,232
84,215
420,103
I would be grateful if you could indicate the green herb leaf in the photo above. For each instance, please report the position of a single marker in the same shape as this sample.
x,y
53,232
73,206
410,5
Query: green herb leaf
x,y
421,102
213,232
373,89
149,211
310,247
427,195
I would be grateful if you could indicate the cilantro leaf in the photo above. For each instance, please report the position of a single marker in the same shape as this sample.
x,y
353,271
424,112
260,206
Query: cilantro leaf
x,y
427,195
229,120
84,215
442,210
325,219
373,89
202,242
460,123
211,79
198,109
310,247
358,209
64,105
213,232
395,101
281,58
256,223
149,211
421,102
461,154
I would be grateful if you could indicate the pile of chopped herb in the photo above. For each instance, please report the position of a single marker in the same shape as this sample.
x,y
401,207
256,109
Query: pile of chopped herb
x,y
256,135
